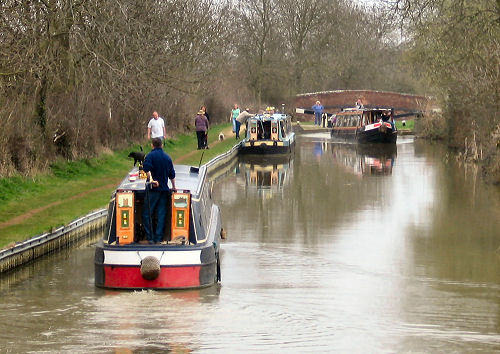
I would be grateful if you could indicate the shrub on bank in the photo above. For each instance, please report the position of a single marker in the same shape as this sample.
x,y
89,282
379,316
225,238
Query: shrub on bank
x,y
431,126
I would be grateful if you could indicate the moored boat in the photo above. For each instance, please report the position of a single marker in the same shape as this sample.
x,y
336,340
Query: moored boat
x,y
365,125
268,134
188,256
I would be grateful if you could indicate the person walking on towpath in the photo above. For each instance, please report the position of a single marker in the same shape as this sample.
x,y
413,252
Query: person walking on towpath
x,y
156,127
234,114
159,169
318,111
201,124
204,109
242,119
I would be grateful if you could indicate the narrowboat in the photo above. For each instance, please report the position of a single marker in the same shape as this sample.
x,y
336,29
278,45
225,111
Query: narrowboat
x,y
268,134
189,255
365,125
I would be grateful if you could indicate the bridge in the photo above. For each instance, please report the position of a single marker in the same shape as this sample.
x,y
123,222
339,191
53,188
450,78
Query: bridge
x,y
404,105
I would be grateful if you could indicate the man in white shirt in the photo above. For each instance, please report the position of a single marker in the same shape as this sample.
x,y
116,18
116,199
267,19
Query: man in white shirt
x,y
156,127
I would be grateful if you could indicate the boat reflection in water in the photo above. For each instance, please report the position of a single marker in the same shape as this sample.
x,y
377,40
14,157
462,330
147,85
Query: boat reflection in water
x,y
365,160
265,175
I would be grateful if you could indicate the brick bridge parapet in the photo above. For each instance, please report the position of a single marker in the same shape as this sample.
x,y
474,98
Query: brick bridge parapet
x,y
334,101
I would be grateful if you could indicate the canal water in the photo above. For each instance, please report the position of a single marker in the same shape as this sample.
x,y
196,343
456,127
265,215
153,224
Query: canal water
x,y
335,249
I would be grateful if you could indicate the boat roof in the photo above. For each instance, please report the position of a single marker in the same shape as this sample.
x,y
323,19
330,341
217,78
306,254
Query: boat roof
x,y
349,111
186,178
265,117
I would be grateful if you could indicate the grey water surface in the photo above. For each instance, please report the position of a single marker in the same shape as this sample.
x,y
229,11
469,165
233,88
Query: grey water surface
x,y
337,248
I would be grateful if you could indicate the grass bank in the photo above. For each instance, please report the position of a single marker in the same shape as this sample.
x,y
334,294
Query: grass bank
x,y
31,206
409,125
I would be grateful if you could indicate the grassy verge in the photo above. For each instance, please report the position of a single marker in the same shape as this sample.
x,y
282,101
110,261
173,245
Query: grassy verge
x,y
73,189
410,125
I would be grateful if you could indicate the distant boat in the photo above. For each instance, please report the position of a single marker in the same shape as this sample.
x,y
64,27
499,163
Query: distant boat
x,y
188,256
365,125
268,134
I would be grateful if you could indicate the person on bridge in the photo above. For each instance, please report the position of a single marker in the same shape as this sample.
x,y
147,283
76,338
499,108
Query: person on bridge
x,y
159,169
156,127
318,111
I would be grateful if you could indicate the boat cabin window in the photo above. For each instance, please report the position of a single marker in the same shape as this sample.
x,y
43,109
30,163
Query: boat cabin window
x,y
348,121
263,129
180,201
266,125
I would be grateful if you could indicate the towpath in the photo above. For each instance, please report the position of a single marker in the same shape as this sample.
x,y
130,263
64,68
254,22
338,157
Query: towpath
x,y
19,219
227,133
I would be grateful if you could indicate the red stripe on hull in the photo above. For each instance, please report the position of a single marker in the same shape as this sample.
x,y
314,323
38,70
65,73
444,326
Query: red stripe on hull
x,y
169,278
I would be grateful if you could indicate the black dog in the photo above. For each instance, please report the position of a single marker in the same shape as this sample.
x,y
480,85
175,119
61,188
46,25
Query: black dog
x,y
138,156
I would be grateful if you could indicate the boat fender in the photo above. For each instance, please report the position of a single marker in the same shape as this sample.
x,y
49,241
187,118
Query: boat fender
x,y
150,268
223,234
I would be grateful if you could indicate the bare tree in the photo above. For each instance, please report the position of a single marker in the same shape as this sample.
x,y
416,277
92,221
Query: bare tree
x,y
93,69
457,45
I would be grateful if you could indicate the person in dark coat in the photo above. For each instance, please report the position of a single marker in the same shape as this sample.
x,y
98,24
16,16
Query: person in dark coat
x,y
201,124
204,109
159,169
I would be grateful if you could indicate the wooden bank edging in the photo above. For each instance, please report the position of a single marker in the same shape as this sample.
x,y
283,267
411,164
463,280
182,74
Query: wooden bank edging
x,y
88,226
